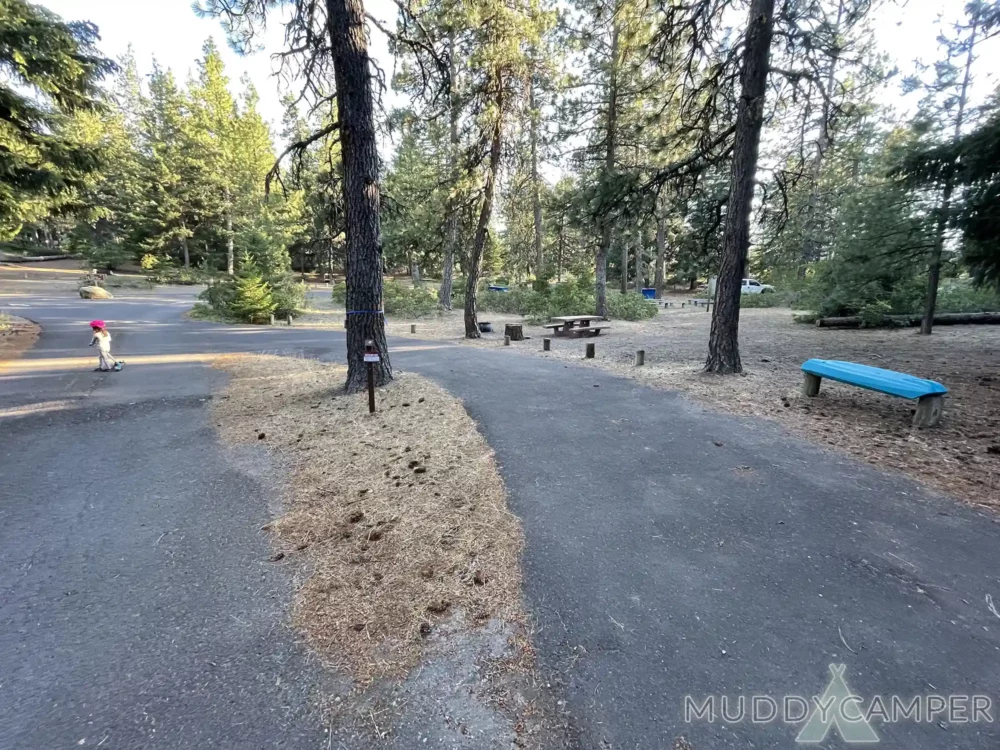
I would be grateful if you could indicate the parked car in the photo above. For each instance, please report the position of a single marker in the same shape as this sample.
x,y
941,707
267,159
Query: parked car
x,y
752,286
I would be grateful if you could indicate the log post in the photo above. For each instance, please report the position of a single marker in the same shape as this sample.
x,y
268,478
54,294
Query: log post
x,y
272,319
810,386
590,351
514,330
640,357
546,344
413,327
289,318
506,340
929,410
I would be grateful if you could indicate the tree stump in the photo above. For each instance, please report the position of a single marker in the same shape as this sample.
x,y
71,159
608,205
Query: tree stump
x,y
546,344
413,327
590,351
514,330
640,357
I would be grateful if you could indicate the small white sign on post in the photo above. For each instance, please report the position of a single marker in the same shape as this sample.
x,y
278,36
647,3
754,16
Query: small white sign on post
x,y
371,357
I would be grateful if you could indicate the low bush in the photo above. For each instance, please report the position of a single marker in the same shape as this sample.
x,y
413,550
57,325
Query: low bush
x,y
784,298
873,314
402,300
408,301
570,298
288,294
961,296
630,306
250,297
339,293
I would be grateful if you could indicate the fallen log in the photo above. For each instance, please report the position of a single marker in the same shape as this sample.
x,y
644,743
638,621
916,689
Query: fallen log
x,y
904,321
36,258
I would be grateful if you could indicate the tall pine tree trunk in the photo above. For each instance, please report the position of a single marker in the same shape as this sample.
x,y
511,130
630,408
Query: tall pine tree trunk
x,y
610,138
230,246
559,252
661,253
811,237
360,164
640,266
624,266
944,209
186,252
475,260
723,341
451,232
536,201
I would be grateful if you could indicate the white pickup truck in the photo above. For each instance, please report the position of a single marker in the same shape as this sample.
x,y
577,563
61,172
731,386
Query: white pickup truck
x,y
752,286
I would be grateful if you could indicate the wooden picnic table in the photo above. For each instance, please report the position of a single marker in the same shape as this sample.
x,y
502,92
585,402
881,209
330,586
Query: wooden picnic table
x,y
574,325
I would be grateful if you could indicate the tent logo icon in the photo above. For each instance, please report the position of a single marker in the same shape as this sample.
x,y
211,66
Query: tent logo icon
x,y
838,707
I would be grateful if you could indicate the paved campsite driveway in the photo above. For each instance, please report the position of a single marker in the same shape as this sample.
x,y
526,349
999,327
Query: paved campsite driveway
x,y
670,551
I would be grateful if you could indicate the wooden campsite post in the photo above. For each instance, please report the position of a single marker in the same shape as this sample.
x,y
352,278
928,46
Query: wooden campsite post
x,y
371,357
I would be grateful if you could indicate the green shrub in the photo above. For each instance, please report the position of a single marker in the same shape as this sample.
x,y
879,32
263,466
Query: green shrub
x,y
402,300
110,256
289,295
960,295
408,301
219,295
247,297
873,313
252,299
339,294
630,306
784,298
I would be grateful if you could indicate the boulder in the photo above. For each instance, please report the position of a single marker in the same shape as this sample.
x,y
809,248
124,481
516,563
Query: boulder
x,y
95,292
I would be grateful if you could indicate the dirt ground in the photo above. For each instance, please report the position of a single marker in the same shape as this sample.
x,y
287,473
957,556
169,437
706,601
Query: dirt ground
x,y
17,335
961,456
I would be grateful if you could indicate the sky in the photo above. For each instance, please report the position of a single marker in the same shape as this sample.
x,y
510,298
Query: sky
x,y
170,31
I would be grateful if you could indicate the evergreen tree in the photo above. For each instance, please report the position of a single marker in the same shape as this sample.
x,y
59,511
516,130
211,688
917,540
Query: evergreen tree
x,y
40,167
944,115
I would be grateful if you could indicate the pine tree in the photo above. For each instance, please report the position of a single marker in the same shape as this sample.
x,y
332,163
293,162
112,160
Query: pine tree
x,y
40,167
945,113
723,342
252,299
215,125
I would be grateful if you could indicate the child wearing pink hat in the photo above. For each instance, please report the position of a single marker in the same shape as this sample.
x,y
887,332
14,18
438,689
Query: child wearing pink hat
x,y
106,363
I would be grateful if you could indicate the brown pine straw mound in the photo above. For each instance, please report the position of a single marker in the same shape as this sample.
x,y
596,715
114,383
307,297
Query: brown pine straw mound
x,y
400,517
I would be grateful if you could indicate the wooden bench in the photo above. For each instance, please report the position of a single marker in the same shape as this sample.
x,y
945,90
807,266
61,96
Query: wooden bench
x,y
929,394
561,329
586,331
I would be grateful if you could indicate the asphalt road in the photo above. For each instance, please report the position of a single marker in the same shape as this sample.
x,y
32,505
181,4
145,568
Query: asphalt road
x,y
137,605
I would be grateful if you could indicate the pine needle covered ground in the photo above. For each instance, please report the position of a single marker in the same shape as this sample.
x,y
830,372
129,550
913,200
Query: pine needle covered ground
x,y
399,519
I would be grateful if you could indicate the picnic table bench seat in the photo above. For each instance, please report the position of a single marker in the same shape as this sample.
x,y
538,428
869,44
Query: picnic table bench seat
x,y
929,394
